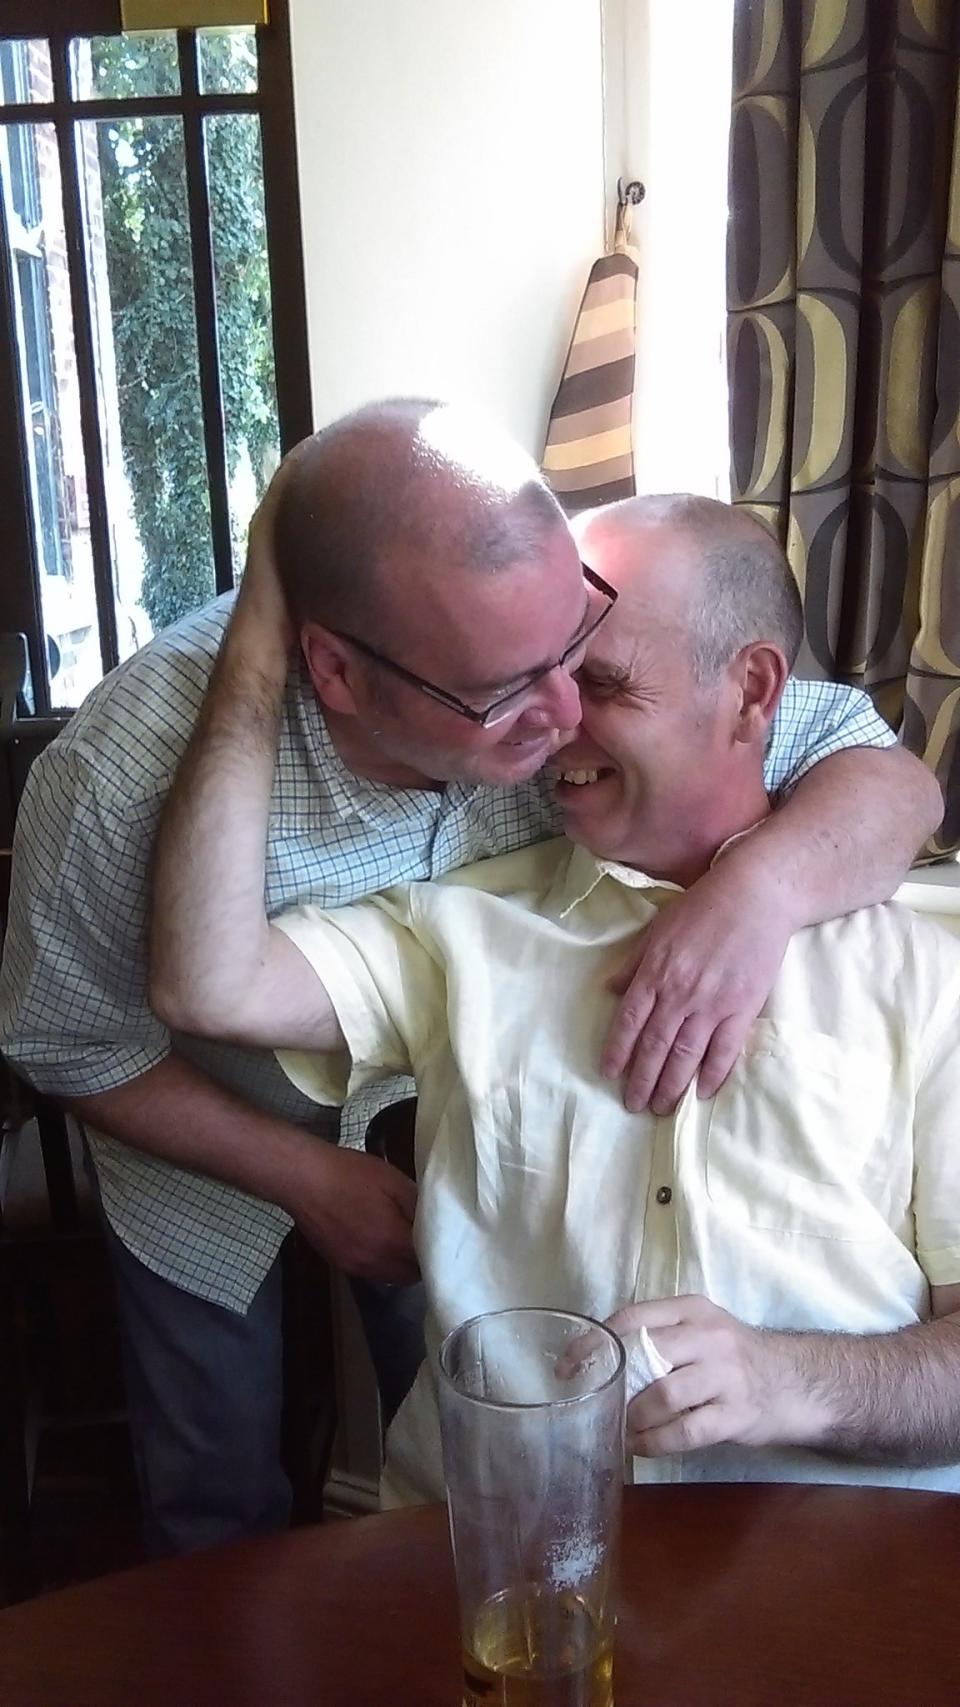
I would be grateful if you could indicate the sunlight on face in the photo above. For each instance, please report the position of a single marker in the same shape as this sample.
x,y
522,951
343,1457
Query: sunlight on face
x,y
459,439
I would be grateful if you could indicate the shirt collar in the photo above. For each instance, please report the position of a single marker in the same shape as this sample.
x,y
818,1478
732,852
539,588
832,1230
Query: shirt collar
x,y
579,877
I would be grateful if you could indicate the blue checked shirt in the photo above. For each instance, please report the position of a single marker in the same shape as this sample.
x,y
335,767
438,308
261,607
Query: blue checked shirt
x,y
74,1016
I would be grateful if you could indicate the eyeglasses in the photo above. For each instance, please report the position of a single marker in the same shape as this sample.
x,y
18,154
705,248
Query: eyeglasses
x,y
500,708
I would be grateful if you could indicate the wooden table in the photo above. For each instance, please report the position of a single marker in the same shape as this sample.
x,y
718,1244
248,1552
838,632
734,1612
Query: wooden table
x,y
757,1596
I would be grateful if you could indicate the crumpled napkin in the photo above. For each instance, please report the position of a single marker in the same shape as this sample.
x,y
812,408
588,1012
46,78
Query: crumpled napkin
x,y
644,1362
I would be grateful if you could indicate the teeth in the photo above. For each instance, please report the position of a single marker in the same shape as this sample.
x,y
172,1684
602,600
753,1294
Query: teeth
x,y
579,777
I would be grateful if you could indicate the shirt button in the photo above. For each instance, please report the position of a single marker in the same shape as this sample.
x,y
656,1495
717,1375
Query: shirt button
x,y
664,1195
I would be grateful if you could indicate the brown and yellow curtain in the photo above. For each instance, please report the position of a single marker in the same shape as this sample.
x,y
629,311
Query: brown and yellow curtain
x,y
844,340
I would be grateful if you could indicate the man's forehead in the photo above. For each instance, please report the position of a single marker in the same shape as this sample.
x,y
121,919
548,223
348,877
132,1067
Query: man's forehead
x,y
639,631
488,628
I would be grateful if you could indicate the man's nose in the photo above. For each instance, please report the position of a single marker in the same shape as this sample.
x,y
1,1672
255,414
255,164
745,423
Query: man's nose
x,y
558,704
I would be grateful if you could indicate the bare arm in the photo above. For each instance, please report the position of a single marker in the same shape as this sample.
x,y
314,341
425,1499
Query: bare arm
x,y
356,1209
847,835
218,969
844,839
886,1398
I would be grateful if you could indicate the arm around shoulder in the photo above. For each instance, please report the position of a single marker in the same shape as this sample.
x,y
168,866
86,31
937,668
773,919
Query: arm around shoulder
x,y
845,837
280,1003
218,968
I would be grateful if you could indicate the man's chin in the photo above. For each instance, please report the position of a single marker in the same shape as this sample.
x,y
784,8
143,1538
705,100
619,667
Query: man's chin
x,y
599,833
516,761
585,836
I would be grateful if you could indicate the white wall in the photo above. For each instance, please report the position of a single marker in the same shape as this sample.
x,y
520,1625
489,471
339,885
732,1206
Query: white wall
x,y
452,192
451,176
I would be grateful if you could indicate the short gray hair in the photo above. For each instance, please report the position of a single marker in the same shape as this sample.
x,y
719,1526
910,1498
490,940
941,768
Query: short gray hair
x,y
746,591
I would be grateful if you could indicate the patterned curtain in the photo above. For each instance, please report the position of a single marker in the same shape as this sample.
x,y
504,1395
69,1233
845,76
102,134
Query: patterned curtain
x,y
844,341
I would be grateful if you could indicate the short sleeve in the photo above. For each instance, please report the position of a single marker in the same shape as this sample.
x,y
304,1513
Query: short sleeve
x,y
814,720
936,1203
386,983
74,1014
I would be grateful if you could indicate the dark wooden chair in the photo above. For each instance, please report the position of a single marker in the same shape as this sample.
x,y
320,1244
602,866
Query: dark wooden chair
x,y
55,1346
391,1135
52,1250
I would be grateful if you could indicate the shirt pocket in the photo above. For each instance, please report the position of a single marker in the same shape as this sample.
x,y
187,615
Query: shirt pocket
x,y
791,1134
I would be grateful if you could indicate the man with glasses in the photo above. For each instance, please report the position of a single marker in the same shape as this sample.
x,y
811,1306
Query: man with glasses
x,y
783,1258
509,703
441,608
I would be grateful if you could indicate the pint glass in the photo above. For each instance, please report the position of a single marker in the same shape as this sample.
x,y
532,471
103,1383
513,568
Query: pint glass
x,y
533,1459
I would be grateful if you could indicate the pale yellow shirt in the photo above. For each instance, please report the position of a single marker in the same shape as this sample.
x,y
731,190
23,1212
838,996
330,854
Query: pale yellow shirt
x,y
820,1188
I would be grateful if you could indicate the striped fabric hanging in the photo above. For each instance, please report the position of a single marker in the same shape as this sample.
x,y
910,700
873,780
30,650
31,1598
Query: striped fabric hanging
x,y
588,459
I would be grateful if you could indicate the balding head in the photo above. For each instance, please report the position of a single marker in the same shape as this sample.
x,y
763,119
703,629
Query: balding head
x,y
680,684
383,501
741,587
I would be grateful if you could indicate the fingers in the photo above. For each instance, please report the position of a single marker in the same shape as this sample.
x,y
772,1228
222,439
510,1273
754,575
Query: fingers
x,y
403,1190
721,1055
578,1352
653,1313
650,1057
396,1258
659,1048
700,975
389,1256
664,1400
671,1317
629,1023
361,1216
388,1269
670,1051
682,1062
396,1270
708,1425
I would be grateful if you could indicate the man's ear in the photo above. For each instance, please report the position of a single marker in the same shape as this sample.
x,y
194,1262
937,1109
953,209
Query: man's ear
x,y
333,671
762,672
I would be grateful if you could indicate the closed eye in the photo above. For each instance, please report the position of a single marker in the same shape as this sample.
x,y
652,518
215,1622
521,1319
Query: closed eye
x,y
602,684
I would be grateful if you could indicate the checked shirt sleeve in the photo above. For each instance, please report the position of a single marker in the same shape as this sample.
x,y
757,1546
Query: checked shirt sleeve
x,y
74,1016
814,720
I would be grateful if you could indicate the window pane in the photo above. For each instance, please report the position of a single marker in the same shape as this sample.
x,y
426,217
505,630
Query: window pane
x,y
228,61
141,281
117,67
243,314
25,72
30,171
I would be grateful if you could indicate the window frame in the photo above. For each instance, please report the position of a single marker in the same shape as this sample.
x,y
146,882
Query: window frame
x,y
58,22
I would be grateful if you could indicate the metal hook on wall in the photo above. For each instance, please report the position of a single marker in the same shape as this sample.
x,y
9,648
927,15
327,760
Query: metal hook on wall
x,y
628,197
630,194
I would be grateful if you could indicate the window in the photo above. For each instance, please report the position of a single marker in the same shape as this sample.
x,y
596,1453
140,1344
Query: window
x,y
152,324
669,126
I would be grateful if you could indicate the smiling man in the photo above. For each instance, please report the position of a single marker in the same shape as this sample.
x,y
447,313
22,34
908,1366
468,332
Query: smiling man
x,y
436,592
791,1244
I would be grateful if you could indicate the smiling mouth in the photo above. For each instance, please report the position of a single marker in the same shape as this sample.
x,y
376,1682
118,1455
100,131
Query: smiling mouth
x,y
582,777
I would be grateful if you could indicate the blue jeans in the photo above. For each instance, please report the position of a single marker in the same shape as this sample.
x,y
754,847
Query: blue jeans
x,y
205,1398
